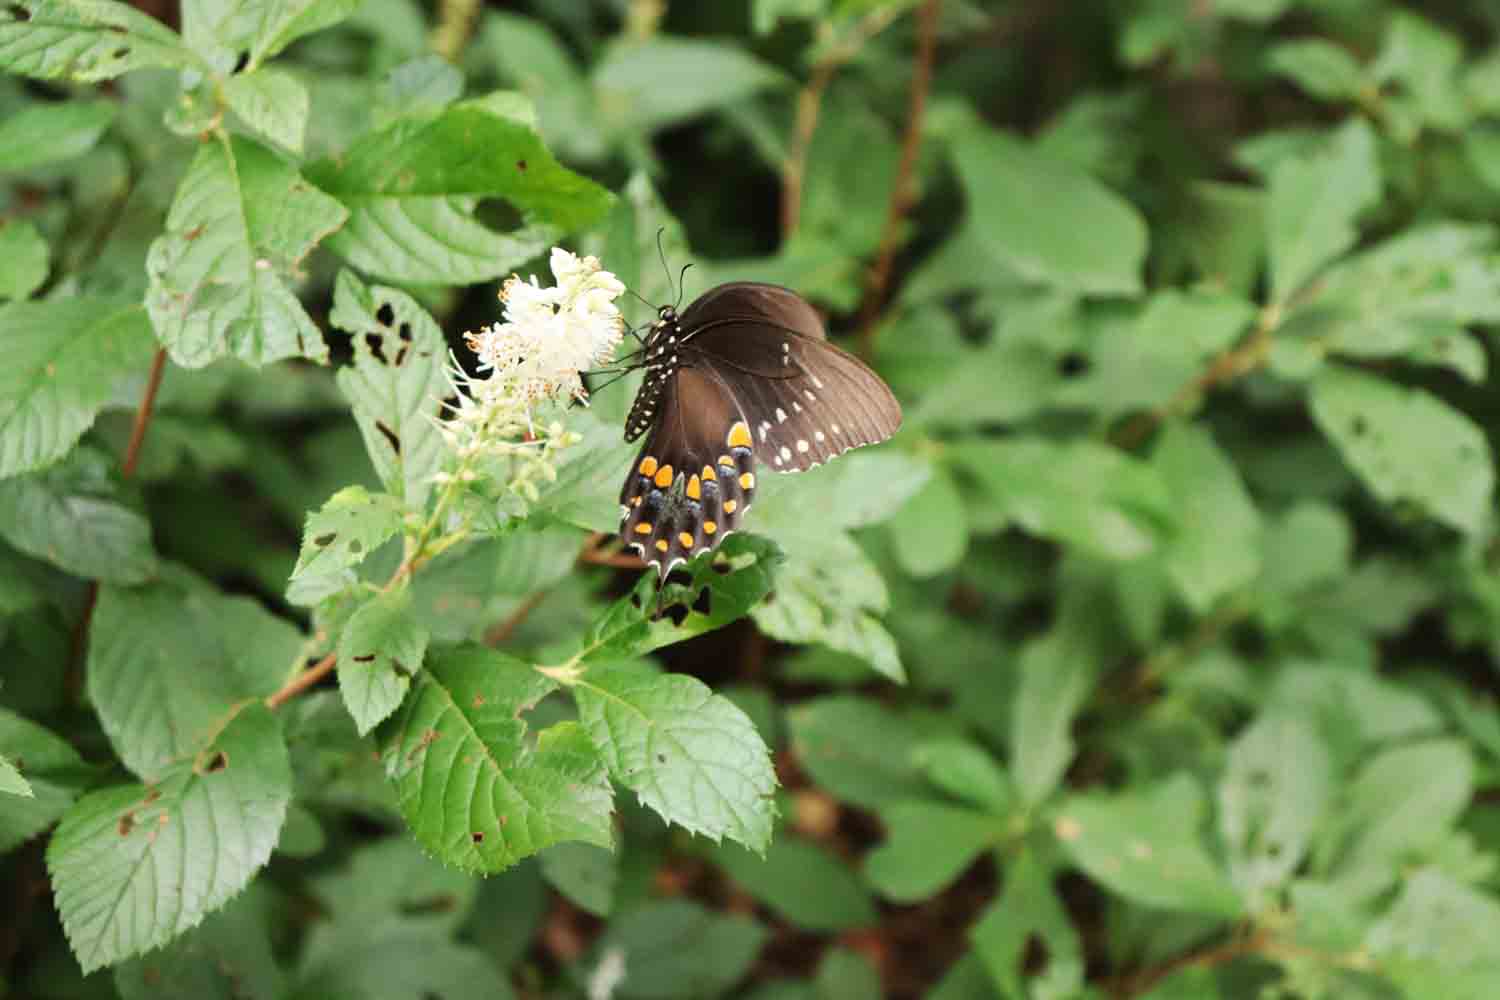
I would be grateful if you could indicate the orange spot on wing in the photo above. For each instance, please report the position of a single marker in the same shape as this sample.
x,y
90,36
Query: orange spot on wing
x,y
747,480
661,545
686,539
709,527
729,506
648,466
664,476
708,473
694,489
643,528
739,435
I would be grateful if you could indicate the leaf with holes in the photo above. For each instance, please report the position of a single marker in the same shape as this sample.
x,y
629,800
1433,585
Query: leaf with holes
x,y
472,789
352,524
396,384
381,647
239,227
167,663
1407,444
63,358
71,516
135,866
690,755
85,40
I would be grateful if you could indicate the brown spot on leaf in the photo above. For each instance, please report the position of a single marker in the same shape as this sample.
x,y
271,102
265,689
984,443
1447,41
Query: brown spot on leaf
x,y
327,539
366,658
477,836
126,824
521,165
218,762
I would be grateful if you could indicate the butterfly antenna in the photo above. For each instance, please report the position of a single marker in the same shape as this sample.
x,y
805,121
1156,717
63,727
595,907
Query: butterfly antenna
x,y
661,253
680,287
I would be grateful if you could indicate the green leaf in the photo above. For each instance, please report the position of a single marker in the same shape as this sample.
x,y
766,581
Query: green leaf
x,y
845,974
930,534
23,259
1320,67
395,385
168,662
728,589
462,727
1080,492
967,771
691,755
1406,444
1029,909
227,957
801,882
1047,220
411,185
282,23
927,846
830,737
85,40
47,133
241,223
678,949
63,359
70,515
1424,60
646,84
122,857
1437,939
11,781
1145,845
585,874
273,102
1314,202
529,54
1216,547
1277,785
351,525
380,649
48,769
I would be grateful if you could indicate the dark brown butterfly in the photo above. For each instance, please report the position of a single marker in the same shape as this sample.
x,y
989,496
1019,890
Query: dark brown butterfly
x,y
744,375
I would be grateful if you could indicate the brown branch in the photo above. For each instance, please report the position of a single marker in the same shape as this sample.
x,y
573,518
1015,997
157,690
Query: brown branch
x,y
498,634
1143,980
302,681
901,191
143,412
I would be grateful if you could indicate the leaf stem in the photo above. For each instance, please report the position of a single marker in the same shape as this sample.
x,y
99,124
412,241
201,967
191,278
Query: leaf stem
x,y
901,193
302,681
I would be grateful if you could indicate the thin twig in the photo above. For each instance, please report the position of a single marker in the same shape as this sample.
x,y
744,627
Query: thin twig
x,y
499,634
1143,980
303,681
901,190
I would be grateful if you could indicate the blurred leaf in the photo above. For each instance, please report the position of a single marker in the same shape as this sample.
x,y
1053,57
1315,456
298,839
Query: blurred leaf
x,y
462,722
85,40
64,359
927,846
380,649
23,259
46,133
272,102
929,535
1437,938
1029,909
801,882
241,223
71,516
1320,67
50,775
830,737
1314,202
280,24
1146,846
967,771
168,662
690,754
1216,548
844,974
227,957
12,782
119,855
1047,219
1226,238
650,83
1406,444
676,948
1424,60
395,384
585,874
528,54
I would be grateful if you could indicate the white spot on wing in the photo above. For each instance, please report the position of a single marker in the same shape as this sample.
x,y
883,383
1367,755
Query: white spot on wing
x,y
819,435
802,445
796,406
810,397
817,381
780,415
785,452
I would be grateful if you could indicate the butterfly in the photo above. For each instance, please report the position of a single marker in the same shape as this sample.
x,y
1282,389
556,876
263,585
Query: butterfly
x,y
744,378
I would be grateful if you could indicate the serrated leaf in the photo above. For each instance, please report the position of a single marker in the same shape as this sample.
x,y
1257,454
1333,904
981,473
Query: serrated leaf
x,y
1145,845
396,384
70,515
239,227
927,846
85,40
727,588
352,524
273,102
39,134
48,768
23,259
1216,547
1048,220
381,647
168,662
690,755
63,359
1314,202
462,728
678,949
644,84
1276,787
434,240
227,957
802,882
1028,910
1406,444
135,866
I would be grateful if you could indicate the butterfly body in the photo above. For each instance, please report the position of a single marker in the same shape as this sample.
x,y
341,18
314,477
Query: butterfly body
x,y
743,379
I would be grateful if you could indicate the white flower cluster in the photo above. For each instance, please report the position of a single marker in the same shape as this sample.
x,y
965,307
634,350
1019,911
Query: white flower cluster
x,y
547,337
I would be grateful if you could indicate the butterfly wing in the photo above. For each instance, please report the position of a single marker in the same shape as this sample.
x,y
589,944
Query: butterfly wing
x,y
695,477
805,400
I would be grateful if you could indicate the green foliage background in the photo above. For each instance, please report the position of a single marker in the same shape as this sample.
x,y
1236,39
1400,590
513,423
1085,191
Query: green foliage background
x,y
1154,658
